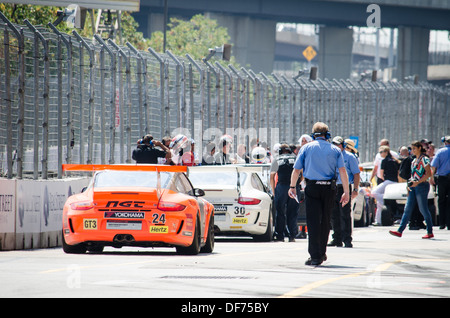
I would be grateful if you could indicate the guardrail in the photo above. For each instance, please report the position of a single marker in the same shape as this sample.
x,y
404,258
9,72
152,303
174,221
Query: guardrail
x,y
31,211
67,99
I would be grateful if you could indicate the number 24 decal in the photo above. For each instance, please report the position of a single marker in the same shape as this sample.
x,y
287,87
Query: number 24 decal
x,y
159,218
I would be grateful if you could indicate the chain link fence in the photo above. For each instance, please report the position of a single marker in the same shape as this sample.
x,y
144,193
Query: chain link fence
x,y
68,99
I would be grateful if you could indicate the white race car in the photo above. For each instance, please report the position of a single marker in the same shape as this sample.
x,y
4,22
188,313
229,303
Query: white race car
x,y
242,202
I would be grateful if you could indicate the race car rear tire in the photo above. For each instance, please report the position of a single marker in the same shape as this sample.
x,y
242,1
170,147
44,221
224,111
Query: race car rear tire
x,y
209,244
95,249
194,248
268,235
73,249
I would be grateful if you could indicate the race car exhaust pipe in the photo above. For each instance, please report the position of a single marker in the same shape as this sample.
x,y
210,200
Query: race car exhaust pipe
x,y
123,238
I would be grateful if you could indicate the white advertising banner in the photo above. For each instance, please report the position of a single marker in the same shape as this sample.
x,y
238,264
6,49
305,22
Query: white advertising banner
x,y
7,205
31,211
29,206
7,214
40,203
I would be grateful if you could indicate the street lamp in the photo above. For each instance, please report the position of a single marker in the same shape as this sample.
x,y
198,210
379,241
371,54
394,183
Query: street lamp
x,y
223,52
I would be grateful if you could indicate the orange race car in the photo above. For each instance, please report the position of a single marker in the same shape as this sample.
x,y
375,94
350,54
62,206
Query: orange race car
x,y
137,205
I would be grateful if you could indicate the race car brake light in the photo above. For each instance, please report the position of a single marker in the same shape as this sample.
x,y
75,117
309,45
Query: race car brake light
x,y
248,201
83,205
170,206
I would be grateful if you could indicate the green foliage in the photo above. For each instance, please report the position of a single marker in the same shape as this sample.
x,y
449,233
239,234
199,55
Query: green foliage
x,y
193,37
42,15
37,15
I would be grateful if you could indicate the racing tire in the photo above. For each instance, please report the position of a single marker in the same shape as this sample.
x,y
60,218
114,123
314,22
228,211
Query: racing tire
x,y
386,216
362,221
73,249
209,244
95,249
268,235
194,248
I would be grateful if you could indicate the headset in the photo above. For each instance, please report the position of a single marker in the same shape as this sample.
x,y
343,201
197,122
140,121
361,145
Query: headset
x,y
344,144
282,149
143,139
316,134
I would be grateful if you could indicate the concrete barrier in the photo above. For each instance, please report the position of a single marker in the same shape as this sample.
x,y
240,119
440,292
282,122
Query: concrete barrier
x,y
31,211
7,214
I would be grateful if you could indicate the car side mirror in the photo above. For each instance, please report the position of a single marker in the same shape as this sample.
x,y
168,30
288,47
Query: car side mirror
x,y
197,192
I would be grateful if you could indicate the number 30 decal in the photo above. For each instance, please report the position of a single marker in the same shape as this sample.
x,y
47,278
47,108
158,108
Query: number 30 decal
x,y
239,210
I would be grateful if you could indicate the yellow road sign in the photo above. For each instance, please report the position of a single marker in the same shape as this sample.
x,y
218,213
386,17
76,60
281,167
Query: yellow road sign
x,y
309,53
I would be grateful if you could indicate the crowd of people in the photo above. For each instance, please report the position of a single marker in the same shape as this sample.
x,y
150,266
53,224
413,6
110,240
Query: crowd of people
x,y
420,167
324,172
180,150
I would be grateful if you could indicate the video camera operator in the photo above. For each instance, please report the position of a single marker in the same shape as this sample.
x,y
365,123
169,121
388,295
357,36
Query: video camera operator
x,y
147,153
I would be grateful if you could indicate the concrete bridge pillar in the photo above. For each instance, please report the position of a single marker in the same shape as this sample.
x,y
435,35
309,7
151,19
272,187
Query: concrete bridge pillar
x,y
412,52
253,40
335,52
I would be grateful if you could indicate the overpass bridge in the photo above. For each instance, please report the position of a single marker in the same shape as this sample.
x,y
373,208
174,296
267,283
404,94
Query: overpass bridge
x,y
252,27
290,44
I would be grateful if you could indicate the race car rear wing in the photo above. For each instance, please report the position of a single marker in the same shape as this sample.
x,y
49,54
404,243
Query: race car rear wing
x,y
123,167
140,167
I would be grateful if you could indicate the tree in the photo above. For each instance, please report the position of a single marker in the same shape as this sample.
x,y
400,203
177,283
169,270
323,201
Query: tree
x,y
193,37
42,15
37,15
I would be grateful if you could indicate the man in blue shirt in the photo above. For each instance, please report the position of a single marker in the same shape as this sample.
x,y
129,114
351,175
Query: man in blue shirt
x,y
441,167
341,218
319,161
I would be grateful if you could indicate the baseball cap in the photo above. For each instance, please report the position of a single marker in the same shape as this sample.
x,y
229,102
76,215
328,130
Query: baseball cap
x,y
338,140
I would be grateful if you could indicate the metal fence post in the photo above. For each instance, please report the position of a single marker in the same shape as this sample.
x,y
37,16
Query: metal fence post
x,y
112,99
9,161
202,100
308,113
283,124
270,111
68,44
21,95
240,102
291,110
39,37
91,108
121,90
180,91
227,100
208,96
255,96
217,94
165,124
